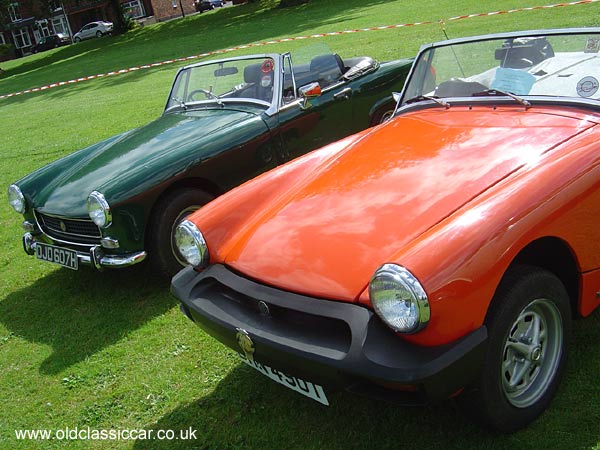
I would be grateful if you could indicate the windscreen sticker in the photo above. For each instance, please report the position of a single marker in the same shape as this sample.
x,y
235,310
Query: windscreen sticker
x,y
267,66
515,81
592,45
586,87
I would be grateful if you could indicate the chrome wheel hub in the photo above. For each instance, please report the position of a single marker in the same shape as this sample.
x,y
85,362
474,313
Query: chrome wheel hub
x,y
532,353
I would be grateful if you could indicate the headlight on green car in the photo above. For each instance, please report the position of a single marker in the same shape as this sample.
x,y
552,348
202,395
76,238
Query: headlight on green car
x,y
399,299
16,199
191,244
99,210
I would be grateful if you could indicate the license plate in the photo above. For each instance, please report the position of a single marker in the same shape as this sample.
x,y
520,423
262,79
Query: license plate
x,y
306,388
57,255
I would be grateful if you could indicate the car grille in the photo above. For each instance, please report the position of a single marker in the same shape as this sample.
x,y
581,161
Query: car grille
x,y
331,335
78,231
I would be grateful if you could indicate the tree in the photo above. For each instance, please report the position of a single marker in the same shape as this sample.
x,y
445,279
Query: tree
x,y
4,17
120,23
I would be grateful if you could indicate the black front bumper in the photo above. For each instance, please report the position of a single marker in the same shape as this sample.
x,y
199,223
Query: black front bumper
x,y
336,344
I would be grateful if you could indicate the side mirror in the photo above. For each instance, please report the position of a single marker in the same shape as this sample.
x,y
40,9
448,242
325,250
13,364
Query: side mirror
x,y
309,91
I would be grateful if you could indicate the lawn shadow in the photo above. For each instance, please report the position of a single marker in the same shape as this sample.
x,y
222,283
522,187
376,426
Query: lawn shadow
x,y
79,313
45,59
248,411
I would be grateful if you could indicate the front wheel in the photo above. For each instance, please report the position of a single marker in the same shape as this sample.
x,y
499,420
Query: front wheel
x,y
383,114
529,325
77,40
169,211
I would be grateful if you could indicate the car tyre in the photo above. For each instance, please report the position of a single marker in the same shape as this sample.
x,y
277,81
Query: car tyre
x,y
168,212
99,34
77,40
529,324
383,114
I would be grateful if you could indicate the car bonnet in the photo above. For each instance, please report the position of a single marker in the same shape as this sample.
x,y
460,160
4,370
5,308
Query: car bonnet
x,y
326,236
133,161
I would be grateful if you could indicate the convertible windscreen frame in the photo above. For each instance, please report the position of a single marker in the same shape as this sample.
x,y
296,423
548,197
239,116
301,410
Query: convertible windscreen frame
x,y
540,55
269,74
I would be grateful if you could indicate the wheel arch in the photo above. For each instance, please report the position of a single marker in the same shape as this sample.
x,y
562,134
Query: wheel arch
x,y
379,106
188,183
556,256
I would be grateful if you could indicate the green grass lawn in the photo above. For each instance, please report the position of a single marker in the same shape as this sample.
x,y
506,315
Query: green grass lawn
x,y
112,351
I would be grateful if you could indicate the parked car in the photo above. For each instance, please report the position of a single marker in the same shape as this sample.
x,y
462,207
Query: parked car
x,y
52,41
92,30
207,5
225,122
442,253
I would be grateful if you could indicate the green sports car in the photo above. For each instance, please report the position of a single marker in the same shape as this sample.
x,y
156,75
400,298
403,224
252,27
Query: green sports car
x,y
118,202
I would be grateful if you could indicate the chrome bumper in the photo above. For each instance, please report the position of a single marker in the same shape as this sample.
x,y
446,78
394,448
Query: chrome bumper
x,y
95,257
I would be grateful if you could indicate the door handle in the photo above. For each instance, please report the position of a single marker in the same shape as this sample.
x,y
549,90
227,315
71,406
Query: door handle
x,y
344,93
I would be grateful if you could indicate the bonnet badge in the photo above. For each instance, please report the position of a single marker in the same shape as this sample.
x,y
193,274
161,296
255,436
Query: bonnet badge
x,y
245,343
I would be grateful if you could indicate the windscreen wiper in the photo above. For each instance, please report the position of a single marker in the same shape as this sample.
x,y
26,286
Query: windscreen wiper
x,y
435,99
495,92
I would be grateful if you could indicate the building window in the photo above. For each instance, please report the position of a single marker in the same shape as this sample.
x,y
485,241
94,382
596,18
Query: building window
x,y
133,9
59,24
42,26
14,13
54,5
22,38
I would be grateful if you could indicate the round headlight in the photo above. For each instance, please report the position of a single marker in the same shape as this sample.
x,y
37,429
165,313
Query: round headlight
x,y
99,210
16,198
191,244
399,299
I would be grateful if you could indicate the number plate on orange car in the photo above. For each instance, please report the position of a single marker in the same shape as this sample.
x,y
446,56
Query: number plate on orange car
x,y
303,387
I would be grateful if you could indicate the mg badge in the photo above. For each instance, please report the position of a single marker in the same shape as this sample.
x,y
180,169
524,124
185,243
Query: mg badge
x,y
245,343
62,226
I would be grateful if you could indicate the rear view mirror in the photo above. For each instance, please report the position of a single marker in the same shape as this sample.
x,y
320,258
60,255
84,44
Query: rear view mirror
x,y
225,71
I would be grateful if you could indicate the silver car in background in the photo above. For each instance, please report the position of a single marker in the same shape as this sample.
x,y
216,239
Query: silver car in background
x,y
92,30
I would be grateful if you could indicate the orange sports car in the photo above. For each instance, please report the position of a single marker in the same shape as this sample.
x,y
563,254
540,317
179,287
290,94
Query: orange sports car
x,y
441,254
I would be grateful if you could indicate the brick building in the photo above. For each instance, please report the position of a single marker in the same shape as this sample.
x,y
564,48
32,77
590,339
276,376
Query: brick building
x,y
25,28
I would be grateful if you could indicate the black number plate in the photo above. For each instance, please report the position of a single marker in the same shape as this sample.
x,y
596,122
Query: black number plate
x,y
57,255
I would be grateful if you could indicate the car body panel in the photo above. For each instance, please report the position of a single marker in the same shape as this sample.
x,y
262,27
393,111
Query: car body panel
x,y
131,164
497,226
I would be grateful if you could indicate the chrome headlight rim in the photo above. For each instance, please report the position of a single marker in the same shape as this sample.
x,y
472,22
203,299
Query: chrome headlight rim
x,y
97,199
16,199
198,255
406,281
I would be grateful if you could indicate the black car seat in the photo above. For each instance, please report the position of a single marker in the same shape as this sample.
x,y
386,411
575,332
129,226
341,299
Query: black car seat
x,y
260,80
327,68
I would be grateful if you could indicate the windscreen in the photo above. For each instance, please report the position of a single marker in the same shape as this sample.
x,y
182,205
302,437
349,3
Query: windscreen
x,y
558,66
248,79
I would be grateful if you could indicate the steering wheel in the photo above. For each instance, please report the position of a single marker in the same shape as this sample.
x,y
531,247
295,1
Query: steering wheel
x,y
208,94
